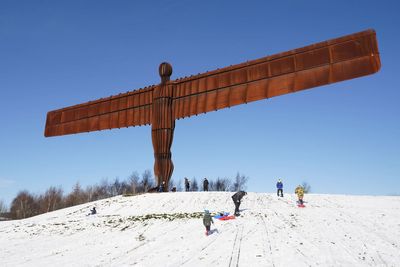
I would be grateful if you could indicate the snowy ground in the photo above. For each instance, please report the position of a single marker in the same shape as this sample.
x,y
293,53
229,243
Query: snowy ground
x,y
165,229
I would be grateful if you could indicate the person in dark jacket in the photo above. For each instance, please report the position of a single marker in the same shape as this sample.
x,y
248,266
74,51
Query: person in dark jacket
x,y
187,185
205,184
237,197
162,187
279,187
207,220
93,211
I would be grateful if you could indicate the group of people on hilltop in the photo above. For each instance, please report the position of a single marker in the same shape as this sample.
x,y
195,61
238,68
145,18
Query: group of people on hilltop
x,y
187,184
299,191
162,186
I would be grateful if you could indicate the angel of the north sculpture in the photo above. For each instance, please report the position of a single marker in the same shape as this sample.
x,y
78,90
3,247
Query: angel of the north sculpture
x,y
160,105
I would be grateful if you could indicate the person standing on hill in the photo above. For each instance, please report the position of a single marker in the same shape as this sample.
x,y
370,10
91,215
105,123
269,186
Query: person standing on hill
x,y
187,185
300,194
205,184
162,187
279,187
207,220
237,197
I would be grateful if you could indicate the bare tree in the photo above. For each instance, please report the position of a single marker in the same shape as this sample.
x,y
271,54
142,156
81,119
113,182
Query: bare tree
x,y
307,187
125,188
100,191
211,185
221,184
115,188
147,180
194,185
239,182
3,207
90,192
133,181
171,185
24,205
76,197
51,200
179,187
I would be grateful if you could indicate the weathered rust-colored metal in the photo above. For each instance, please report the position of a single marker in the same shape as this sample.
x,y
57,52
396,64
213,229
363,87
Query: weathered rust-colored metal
x,y
331,61
327,62
163,125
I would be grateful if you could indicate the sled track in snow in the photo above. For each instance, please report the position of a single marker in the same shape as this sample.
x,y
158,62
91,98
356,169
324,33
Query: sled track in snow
x,y
266,234
269,241
147,241
350,218
236,246
202,249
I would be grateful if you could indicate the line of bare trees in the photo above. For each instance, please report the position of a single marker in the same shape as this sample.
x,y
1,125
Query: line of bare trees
x,y
26,204
3,209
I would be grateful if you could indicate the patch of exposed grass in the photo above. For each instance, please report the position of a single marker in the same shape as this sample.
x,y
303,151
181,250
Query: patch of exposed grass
x,y
166,216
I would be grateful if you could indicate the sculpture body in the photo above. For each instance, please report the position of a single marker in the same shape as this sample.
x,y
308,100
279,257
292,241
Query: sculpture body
x,y
162,127
331,61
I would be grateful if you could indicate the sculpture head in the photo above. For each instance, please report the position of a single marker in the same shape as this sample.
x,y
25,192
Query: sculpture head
x,y
165,71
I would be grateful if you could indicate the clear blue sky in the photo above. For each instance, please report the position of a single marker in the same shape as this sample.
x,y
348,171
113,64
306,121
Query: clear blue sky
x,y
341,138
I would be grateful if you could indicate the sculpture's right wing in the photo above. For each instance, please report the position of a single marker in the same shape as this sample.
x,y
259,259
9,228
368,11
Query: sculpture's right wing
x,y
129,109
323,63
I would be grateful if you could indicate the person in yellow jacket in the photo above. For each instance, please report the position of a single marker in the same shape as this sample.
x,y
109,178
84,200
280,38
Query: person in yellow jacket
x,y
300,193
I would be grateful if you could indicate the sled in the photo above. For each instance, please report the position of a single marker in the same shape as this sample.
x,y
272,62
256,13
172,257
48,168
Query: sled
x,y
219,215
225,218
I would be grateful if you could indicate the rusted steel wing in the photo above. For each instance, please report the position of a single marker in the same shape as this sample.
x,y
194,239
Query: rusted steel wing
x,y
123,110
319,64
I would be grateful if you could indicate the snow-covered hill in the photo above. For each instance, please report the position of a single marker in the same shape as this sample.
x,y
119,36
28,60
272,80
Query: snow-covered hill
x,y
165,229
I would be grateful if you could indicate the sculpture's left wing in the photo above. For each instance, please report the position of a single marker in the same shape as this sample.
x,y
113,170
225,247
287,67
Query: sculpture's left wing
x,y
323,63
129,109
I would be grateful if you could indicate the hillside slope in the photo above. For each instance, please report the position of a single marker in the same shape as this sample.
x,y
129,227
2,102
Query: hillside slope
x,y
165,229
